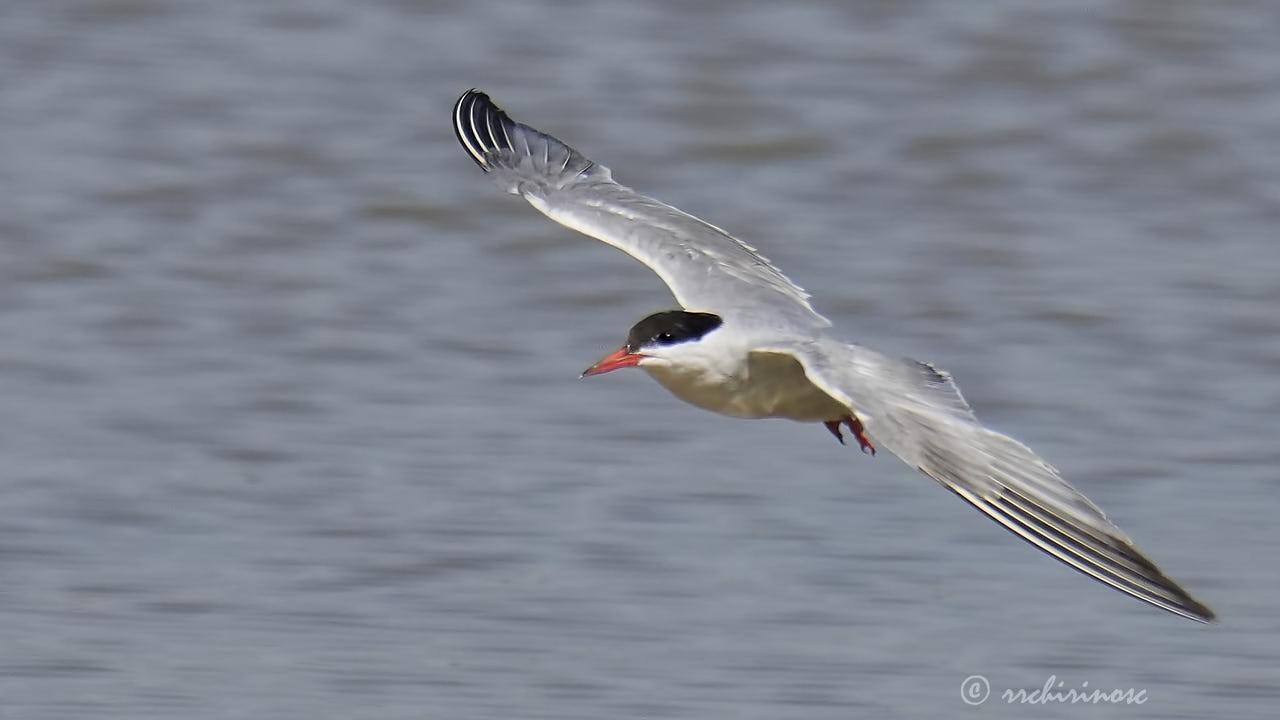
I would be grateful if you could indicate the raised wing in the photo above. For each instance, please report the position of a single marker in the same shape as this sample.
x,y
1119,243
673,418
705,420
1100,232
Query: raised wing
x,y
916,412
705,267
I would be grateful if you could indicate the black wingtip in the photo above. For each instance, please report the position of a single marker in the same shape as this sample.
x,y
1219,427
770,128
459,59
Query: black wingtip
x,y
480,126
1198,611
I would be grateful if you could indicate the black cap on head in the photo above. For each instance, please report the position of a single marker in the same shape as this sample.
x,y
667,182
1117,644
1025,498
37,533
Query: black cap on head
x,y
670,327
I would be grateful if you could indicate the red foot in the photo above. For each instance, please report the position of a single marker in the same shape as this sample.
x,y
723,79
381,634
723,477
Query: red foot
x,y
834,427
855,427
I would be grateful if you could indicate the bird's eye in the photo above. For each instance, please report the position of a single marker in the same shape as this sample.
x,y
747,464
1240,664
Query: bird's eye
x,y
665,338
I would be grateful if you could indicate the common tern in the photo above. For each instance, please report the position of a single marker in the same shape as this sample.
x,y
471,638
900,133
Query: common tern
x,y
747,343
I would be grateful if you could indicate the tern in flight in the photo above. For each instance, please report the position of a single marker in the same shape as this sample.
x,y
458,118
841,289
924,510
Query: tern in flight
x,y
746,343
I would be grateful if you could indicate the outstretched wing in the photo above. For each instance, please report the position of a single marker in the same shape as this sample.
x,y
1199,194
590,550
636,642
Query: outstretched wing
x,y
705,267
916,412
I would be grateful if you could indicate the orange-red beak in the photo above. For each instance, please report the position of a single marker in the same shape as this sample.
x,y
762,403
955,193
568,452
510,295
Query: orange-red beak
x,y
620,358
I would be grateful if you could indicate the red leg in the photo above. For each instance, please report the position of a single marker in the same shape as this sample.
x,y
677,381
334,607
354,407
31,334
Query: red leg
x,y
855,427
834,427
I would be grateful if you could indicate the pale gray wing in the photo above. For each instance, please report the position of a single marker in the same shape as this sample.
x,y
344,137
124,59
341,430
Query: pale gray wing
x,y
916,412
705,267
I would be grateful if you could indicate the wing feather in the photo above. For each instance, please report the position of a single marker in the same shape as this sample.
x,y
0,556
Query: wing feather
x,y
705,267
917,413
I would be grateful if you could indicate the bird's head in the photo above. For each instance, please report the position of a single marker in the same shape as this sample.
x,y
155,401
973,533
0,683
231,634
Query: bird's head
x,y
661,338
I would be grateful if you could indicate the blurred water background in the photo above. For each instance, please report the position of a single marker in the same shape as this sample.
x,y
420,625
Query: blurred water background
x,y
291,421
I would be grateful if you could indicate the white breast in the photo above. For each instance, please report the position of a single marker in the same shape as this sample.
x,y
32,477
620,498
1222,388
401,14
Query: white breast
x,y
764,384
